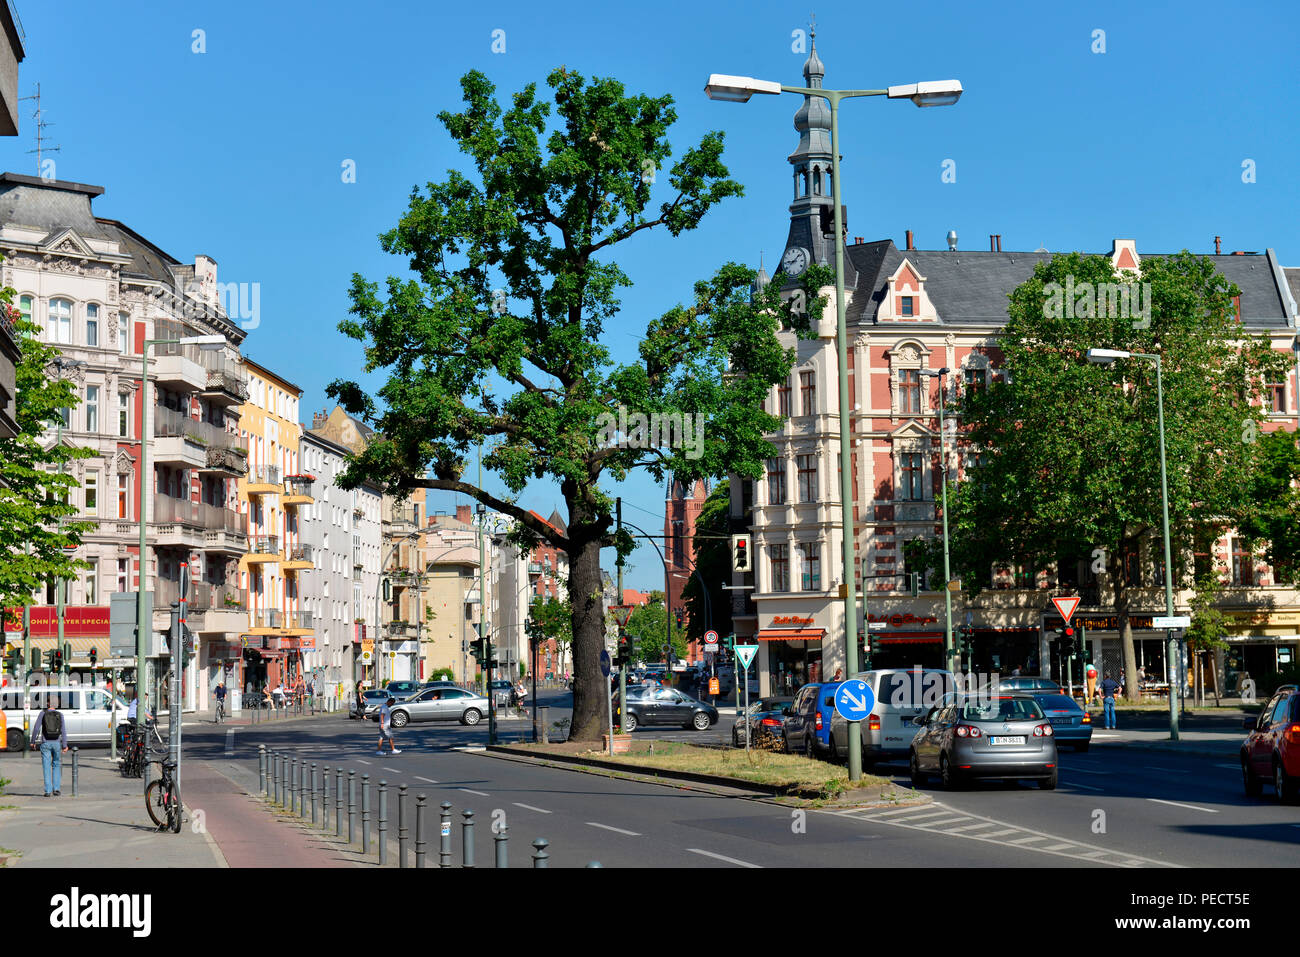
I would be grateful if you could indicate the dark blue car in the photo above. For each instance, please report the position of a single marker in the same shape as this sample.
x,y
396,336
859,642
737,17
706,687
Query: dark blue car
x,y
808,721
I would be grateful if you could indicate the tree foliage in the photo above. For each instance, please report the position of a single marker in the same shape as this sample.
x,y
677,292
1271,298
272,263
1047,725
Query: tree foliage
x,y
713,562
497,338
1274,513
649,624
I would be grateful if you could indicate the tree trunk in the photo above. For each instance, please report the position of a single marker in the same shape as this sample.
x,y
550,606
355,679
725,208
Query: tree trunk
x,y
585,593
1132,692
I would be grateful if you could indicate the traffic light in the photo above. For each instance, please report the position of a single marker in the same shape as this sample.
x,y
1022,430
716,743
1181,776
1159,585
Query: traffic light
x,y
477,650
624,650
94,655
67,654
56,660
634,644
916,583
1067,639
36,660
14,661
187,645
740,560
388,589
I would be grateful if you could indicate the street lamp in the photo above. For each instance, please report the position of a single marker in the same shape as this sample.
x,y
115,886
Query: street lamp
x,y
143,611
1106,357
947,572
738,89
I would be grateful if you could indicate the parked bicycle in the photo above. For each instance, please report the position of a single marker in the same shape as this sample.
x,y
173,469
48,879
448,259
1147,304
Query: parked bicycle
x,y
135,746
162,798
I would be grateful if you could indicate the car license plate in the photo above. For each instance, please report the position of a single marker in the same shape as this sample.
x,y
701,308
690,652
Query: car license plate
x,y
1004,739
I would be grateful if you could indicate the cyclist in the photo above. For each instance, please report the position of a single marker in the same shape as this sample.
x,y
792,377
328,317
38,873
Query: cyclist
x,y
221,700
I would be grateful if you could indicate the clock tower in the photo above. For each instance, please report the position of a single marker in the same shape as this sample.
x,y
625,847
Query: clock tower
x,y
805,243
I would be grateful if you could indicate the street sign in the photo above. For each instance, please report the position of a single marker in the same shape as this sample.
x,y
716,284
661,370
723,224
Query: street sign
x,y
714,685
876,625
1066,606
621,614
710,641
745,655
854,700
1177,621
118,663
604,662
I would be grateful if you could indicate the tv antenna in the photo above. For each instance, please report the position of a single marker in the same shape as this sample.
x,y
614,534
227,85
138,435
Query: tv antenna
x,y
39,117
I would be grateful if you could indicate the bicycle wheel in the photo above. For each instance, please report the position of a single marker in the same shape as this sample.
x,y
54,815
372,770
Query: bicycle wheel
x,y
155,797
174,808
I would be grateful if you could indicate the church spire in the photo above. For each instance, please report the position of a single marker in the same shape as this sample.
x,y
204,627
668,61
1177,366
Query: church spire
x,y
812,172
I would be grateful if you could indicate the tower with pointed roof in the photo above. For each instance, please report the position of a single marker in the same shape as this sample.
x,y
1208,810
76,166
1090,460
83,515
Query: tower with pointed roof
x,y
811,162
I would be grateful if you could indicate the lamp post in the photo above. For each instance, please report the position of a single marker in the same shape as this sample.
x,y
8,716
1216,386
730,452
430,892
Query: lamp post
x,y
143,612
1105,357
948,653
738,89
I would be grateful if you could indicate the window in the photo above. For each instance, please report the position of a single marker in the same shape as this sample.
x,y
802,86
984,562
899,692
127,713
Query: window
x,y
780,568
909,391
909,305
1243,563
91,489
122,575
25,307
810,572
679,544
123,414
808,392
92,325
807,477
1132,569
974,379
783,398
909,471
1277,398
123,498
1203,555
123,333
92,583
775,482
92,408
58,326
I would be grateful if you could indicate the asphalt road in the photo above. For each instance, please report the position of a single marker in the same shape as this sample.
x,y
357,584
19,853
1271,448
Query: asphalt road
x,y
1114,807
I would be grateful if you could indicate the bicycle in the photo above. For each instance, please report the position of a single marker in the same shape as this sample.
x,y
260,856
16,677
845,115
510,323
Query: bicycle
x,y
162,798
221,710
133,756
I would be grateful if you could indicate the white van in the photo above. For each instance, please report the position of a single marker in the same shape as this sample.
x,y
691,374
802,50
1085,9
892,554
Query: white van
x,y
901,694
87,712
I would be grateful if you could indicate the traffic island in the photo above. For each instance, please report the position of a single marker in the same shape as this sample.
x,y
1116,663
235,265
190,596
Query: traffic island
x,y
791,779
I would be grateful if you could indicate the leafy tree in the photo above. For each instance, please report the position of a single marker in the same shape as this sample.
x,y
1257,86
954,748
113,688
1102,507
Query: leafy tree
x,y
1209,627
1274,513
713,562
649,624
1072,461
34,526
554,619
497,338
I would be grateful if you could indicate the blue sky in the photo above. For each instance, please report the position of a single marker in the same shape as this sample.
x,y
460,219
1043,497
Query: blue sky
x,y
238,152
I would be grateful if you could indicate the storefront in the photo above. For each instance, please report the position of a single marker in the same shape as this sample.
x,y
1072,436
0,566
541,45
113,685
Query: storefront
x,y
791,654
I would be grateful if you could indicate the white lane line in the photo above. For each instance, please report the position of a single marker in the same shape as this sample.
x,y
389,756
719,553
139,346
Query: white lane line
x,y
366,763
1095,854
1193,807
425,780
925,817
529,807
965,827
616,830
720,857
1010,830
479,793
904,810
950,820
1026,840
1070,784
1057,847
1152,767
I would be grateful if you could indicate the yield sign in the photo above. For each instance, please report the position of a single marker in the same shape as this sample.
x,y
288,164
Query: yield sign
x,y
1066,607
621,614
745,654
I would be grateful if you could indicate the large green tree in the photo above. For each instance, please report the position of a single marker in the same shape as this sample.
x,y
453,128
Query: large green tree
x,y
1070,462
497,338
649,623
36,535
1274,514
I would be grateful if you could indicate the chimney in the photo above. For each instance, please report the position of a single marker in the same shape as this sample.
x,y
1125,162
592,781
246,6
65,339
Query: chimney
x,y
998,237
318,419
1218,246
857,240
909,240
464,514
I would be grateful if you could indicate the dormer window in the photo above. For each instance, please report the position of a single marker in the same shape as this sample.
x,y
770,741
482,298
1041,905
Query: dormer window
x,y
907,306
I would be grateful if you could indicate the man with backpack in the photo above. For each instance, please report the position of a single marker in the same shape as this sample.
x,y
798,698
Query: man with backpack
x,y
51,736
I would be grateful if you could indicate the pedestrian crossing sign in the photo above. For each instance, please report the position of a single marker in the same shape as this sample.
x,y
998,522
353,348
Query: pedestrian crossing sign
x,y
745,655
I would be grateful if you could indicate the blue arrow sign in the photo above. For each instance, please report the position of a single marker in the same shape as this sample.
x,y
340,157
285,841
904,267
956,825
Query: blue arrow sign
x,y
604,663
854,700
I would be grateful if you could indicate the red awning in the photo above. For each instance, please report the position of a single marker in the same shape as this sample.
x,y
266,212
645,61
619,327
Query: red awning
x,y
791,634
906,637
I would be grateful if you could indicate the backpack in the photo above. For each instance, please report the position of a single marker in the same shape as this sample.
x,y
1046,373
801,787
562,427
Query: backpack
x,y
51,725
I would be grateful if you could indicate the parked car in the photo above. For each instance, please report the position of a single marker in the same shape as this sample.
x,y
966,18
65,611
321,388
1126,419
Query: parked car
x,y
367,706
1071,724
808,719
501,689
441,704
649,704
401,690
87,712
901,694
1033,683
1271,752
762,723
1004,736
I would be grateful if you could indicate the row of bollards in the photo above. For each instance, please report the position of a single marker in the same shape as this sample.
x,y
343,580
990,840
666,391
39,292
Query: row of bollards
x,y
291,783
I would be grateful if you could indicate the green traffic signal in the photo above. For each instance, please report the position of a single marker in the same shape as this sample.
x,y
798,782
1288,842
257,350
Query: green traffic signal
x,y
916,583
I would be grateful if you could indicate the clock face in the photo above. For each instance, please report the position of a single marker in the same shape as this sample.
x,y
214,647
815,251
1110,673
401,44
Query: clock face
x,y
795,260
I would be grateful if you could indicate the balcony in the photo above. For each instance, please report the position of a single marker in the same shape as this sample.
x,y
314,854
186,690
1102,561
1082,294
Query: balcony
x,y
297,490
265,621
228,458
299,622
264,480
534,568
225,386
262,550
401,629
402,578
230,536
178,368
179,439
178,523
298,558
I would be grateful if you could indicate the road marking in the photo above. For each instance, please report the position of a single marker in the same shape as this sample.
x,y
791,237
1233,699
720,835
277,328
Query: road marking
x,y
951,820
926,817
617,830
366,763
729,860
1058,847
1152,767
1194,807
479,793
1230,767
425,780
966,827
905,810
1095,854
1026,840
1010,830
529,807
1086,771
1069,784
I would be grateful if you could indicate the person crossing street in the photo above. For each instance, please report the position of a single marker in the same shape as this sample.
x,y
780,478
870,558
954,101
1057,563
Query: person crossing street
x,y
1108,688
51,737
386,727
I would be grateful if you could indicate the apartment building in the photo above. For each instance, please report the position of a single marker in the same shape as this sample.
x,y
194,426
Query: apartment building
x,y
450,585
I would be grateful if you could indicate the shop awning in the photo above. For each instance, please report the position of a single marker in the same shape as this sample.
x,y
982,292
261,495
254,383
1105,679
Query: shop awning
x,y
791,634
906,637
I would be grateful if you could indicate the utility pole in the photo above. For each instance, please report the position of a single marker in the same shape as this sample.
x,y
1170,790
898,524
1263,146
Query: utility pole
x,y
622,668
482,609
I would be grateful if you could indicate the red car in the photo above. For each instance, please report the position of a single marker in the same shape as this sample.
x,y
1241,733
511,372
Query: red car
x,y
1271,752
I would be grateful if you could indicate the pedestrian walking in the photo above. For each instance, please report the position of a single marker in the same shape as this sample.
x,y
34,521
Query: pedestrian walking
x,y
386,727
839,674
1108,688
51,736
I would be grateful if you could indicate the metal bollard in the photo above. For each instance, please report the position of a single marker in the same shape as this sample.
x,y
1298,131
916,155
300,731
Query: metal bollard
x,y
544,719
313,793
352,807
275,775
383,823
325,795
261,767
74,770
338,802
595,864
500,838
419,829
293,784
401,825
468,830
444,839
302,787
540,857
365,814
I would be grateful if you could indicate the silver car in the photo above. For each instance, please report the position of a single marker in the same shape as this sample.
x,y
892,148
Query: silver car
x,y
440,704
997,735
